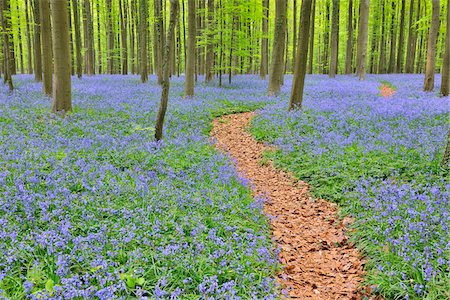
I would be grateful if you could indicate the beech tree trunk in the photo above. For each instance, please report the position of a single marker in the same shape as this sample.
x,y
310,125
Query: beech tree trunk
x,y
88,38
265,41
334,40
382,58
311,38
159,39
349,47
445,83
37,43
294,32
362,39
29,49
110,52
46,40
409,65
5,21
143,40
209,74
298,82
431,49
326,38
123,33
190,59
399,67
392,65
19,33
62,101
174,8
277,65
76,23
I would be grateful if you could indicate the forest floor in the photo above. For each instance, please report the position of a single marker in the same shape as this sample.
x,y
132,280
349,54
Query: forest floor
x,y
319,262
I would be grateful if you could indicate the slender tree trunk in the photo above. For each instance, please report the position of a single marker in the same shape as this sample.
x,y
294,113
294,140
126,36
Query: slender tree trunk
x,y
326,38
277,65
174,4
5,15
349,49
88,38
190,59
132,36
382,59
19,32
110,54
265,41
62,101
99,43
294,32
123,32
159,38
391,67
209,74
72,39
29,49
143,39
298,82
362,39
373,42
37,43
409,51
311,37
46,40
445,83
401,38
76,22
446,158
334,40
431,50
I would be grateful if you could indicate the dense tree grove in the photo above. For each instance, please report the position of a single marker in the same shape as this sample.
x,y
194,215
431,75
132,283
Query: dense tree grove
x,y
228,37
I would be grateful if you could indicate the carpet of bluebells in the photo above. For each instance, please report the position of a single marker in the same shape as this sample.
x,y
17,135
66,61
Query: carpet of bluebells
x,y
92,207
379,158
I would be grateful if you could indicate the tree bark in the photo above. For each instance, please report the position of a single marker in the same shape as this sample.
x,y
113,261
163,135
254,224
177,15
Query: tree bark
x,y
311,38
46,41
399,67
294,32
362,39
5,15
392,65
349,49
298,82
326,38
159,39
334,40
99,43
382,59
446,158
29,48
19,33
88,38
62,101
431,49
190,59
265,41
37,43
174,8
277,65
445,83
110,52
76,22
209,74
411,45
143,40
123,33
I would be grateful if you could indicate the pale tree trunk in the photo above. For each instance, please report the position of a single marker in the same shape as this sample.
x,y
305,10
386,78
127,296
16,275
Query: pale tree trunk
x,y
391,67
399,67
19,32
99,43
110,52
294,32
174,8
445,83
190,53
411,43
334,39
6,27
210,47
37,43
349,49
265,41
362,39
76,23
62,101
88,38
159,39
123,32
326,38
143,40
311,37
298,82
277,64
29,49
46,41
431,49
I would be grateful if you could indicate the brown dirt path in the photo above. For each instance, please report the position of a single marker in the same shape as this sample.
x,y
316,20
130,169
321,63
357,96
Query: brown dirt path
x,y
319,263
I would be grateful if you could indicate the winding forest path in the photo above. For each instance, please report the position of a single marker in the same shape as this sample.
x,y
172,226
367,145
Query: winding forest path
x,y
318,261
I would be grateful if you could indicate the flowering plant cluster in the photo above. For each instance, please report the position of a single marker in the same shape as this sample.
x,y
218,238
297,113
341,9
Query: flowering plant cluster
x,y
380,159
92,207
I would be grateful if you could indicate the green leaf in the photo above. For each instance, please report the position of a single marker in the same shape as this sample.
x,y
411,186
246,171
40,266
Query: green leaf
x,y
49,286
131,282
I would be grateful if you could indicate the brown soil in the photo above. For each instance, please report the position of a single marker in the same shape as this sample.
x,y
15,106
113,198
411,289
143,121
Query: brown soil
x,y
386,91
318,261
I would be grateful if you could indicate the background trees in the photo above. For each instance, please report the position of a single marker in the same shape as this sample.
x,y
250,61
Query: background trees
x,y
231,37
